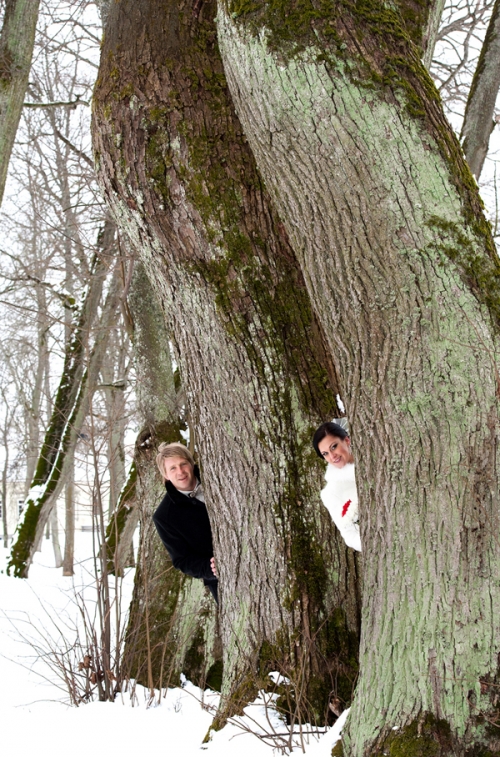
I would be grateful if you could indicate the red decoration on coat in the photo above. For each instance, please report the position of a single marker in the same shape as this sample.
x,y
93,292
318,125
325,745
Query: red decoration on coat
x,y
346,507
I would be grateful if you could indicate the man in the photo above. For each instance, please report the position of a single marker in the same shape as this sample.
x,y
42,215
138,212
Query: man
x,y
182,519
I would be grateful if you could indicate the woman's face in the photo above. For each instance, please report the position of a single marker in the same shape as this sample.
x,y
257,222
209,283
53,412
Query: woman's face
x,y
336,451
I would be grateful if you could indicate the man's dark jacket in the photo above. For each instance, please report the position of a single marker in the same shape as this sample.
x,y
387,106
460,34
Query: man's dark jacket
x,y
184,528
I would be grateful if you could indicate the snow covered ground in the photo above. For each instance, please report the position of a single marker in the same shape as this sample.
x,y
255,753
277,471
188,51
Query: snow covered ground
x,y
36,719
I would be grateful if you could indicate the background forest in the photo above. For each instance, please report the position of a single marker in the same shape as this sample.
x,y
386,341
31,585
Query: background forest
x,y
167,223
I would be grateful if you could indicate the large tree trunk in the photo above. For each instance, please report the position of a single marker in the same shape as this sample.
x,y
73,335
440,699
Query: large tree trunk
x,y
183,184
386,221
16,50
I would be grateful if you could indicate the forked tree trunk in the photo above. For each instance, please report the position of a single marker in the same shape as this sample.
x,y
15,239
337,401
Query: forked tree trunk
x,y
385,218
183,185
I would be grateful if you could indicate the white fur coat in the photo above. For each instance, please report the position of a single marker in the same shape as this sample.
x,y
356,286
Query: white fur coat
x,y
340,497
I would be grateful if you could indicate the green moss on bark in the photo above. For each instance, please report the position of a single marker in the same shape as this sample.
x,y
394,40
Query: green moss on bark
x,y
258,290
424,737
148,639
119,518
256,286
194,662
481,273
307,695
368,42
19,560
194,144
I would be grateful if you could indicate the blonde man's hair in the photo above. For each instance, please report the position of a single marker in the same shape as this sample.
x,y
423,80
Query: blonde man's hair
x,y
172,450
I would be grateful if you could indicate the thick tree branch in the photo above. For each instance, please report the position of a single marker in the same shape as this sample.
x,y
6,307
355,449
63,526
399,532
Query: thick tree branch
x,y
421,20
431,31
478,121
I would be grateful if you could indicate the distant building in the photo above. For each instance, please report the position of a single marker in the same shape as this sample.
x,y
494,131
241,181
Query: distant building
x,y
15,506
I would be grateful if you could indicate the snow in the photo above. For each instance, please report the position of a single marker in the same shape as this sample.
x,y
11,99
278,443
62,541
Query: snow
x,y
36,718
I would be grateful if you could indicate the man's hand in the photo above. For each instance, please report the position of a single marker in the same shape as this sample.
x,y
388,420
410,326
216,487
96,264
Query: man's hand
x,y
212,565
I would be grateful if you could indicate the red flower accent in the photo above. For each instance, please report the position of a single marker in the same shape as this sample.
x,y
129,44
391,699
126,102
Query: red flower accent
x,y
346,507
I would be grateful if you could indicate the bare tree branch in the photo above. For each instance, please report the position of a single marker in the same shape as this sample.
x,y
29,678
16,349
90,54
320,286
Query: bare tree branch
x,y
478,120
72,104
431,31
75,149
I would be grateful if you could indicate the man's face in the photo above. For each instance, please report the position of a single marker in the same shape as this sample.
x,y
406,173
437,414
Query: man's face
x,y
180,473
336,451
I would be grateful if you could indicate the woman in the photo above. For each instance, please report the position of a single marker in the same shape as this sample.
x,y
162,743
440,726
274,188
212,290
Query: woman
x,y
340,495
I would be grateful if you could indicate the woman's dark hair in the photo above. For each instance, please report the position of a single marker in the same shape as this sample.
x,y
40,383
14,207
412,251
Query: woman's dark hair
x,y
328,429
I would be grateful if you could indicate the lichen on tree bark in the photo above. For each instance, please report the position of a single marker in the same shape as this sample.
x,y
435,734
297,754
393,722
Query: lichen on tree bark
x,y
388,227
183,184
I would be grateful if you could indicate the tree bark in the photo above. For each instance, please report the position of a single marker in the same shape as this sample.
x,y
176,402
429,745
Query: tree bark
x,y
182,183
431,31
17,40
121,527
5,471
421,22
478,119
54,529
386,222
34,402
115,410
69,523
103,8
